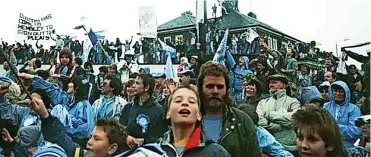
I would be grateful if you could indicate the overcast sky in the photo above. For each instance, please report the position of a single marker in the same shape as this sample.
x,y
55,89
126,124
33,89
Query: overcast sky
x,y
326,21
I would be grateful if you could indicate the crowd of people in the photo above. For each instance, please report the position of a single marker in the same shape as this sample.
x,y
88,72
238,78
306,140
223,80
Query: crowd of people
x,y
273,104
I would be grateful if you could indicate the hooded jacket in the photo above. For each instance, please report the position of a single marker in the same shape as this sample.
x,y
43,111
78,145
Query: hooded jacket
x,y
309,94
237,74
345,115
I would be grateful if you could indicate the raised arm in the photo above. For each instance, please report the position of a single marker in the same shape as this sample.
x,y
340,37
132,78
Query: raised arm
x,y
230,60
57,95
37,46
130,40
357,57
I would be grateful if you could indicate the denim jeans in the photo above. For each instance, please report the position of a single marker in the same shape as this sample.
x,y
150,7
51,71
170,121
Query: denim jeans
x,y
99,58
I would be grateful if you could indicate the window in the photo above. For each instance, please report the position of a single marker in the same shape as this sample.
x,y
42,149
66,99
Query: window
x,y
179,39
275,46
270,44
167,38
289,44
284,45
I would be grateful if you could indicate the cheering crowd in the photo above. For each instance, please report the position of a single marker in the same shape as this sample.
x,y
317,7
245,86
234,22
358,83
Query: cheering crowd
x,y
272,104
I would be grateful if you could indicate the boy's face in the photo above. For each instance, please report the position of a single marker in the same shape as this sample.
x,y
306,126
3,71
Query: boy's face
x,y
98,144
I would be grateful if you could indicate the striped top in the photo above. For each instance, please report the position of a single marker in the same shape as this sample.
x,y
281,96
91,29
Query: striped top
x,y
49,150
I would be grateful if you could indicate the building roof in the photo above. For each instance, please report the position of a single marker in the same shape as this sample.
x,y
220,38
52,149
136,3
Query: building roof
x,y
182,21
235,20
232,20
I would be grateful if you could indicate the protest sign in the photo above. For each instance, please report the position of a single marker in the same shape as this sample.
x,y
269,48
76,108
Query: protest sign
x,y
34,29
148,22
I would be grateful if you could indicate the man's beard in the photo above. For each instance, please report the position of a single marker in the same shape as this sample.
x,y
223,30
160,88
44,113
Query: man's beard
x,y
215,104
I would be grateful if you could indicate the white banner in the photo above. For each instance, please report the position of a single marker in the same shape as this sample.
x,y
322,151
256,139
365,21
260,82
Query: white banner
x,y
148,22
30,29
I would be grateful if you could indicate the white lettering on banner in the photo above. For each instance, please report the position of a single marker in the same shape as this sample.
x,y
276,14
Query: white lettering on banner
x,y
148,22
34,29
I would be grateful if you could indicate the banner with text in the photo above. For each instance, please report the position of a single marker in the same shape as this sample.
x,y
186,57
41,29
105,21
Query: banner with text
x,y
30,29
148,22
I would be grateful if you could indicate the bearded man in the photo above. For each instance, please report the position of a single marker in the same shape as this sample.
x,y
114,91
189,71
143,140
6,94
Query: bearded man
x,y
232,128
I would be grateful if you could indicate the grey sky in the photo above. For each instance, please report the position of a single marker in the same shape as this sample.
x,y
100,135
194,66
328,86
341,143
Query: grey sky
x,y
326,21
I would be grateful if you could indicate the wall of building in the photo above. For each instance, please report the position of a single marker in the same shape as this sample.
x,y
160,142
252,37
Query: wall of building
x,y
172,35
275,40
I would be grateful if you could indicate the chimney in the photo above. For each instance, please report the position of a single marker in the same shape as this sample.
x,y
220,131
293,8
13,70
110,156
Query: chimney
x,y
251,14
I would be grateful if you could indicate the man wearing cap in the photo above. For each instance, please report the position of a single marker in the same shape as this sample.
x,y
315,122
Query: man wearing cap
x,y
29,142
185,77
275,112
195,65
323,89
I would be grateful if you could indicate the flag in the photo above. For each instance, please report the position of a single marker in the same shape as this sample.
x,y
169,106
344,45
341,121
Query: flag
x,y
86,49
341,68
99,37
80,27
100,34
220,52
251,35
93,38
166,47
169,67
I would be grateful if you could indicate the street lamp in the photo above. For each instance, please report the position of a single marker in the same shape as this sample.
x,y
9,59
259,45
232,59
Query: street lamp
x,y
337,54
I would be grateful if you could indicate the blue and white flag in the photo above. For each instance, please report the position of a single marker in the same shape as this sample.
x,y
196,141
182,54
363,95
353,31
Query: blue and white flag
x,y
166,47
86,49
99,37
220,52
100,34
169,72
93,38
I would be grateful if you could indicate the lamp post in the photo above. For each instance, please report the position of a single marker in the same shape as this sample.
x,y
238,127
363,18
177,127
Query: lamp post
x,y
337,54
